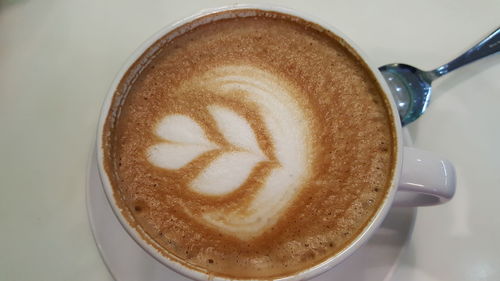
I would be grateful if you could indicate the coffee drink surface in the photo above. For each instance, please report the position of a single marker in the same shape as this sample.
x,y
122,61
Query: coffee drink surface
x,y
253,146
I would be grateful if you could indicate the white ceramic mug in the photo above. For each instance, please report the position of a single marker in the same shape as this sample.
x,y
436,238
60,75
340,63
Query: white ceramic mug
x,y
420,178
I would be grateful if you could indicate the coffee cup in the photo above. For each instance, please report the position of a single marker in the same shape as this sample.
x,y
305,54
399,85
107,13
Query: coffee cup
x,y
414,177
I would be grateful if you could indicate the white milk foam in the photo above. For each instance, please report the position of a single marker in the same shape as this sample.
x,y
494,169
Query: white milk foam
x,y
186,142
288,129
230,170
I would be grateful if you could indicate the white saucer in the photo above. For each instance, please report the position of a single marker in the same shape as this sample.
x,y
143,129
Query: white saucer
x,y
126,261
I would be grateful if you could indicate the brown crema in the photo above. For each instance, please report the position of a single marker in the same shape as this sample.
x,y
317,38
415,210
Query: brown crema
x,y
352,137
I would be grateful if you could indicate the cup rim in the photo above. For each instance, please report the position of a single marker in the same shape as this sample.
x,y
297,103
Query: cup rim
x,y
178,265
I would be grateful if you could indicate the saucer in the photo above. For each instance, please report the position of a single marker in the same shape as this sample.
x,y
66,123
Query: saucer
x,y
127,261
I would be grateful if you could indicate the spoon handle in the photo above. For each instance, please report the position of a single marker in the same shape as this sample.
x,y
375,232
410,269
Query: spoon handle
x,y
488,46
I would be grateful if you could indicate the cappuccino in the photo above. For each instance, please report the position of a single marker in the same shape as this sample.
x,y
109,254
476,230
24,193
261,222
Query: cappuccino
x,y
249,144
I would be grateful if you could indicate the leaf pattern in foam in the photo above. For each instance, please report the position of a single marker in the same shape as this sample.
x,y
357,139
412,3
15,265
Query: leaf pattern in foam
x,y
236,129
186,141
181,129
226,173
174,156
230,170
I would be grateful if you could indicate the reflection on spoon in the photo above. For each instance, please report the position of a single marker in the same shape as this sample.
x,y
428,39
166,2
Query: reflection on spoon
x,y
411,87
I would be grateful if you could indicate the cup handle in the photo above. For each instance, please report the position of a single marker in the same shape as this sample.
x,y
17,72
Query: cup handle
x,y
425,180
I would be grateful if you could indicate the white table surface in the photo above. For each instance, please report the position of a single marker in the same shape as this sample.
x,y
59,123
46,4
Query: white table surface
x,y
58,58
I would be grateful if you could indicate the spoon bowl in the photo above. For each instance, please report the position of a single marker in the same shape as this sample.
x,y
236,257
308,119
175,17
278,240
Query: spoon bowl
x,y
411,87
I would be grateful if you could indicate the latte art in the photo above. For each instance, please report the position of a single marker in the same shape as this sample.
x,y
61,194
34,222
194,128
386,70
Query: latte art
x,y
284,121
185,140
251,145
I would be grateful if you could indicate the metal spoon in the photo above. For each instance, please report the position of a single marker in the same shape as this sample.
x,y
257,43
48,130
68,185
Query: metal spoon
x,y
411,87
